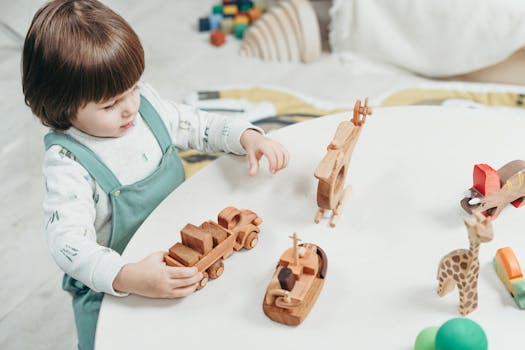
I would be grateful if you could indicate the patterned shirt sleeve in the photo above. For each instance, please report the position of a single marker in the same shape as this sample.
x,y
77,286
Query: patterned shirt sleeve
x,y
192,128
69,214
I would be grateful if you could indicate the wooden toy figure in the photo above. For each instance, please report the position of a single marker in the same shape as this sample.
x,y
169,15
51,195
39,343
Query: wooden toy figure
x,y
205,246
461,267
289,31
296,283
332,169
493,190
509,272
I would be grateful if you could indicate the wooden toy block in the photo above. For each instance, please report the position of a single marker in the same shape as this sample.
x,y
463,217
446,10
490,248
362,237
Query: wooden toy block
x,y
172,262
227,25
245,5
239,29
461,267
184,254
230,9
217,9
207,245
486,179
241,19
261,5
492,191
204,24
218,233
288,31
332,170
296,283
215,21
509,272
254,14
197,239
217,38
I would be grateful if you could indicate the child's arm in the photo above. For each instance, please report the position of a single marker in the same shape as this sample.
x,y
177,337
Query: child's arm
x,y
210,132
70,214
152,278
257,145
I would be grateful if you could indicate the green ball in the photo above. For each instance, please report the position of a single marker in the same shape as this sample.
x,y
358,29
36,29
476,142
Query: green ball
x,y
461,334
426,339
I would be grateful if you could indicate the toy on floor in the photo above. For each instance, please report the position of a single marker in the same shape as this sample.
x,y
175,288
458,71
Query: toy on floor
x,y
493,190
230,17
332,169
205,246
296,283
289,31
509,271
461,267
455,334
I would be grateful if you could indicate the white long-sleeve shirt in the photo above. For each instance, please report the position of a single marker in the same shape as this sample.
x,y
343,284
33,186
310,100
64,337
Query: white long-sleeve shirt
x,y
78,212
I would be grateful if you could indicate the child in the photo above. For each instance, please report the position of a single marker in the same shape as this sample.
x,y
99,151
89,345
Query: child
x,y
110,157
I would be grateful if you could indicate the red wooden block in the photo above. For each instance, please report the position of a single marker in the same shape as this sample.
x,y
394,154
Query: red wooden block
x,y
486,179
217,38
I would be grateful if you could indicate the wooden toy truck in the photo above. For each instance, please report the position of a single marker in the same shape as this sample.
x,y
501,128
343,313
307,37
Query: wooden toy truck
x,y
493,190
509,271
205,246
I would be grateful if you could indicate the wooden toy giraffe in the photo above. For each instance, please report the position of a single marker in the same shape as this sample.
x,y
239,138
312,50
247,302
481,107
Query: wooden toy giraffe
x,y
461,267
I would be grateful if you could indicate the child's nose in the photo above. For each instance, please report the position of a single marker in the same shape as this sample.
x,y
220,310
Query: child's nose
x,y
129,107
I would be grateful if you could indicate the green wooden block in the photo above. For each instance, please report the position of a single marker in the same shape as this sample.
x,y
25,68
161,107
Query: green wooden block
x,y
239,29
217,9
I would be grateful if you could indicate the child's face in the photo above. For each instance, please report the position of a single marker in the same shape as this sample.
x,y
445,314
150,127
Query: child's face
x,y
109,118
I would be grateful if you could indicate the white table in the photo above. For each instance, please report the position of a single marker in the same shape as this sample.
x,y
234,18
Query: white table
x,y
409,170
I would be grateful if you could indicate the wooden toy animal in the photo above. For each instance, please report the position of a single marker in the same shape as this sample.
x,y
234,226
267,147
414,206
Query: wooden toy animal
x,y
461,267
332,169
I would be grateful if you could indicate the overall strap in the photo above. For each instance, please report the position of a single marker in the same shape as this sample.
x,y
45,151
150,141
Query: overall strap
x,y
89,160
155,123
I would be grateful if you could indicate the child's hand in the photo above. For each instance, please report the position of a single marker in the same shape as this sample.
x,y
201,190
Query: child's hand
x,y
152,278
257,145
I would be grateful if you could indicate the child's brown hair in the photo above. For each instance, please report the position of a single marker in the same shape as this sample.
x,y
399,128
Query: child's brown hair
x,y
77,51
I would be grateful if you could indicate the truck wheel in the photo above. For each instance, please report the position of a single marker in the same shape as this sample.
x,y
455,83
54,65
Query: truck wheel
x,y
216,269
203,281
251,240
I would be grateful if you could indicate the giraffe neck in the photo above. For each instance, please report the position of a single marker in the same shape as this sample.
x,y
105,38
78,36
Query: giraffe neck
x,y
474,249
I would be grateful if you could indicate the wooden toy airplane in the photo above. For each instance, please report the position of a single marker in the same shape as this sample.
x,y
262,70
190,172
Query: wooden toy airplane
x,y
332,169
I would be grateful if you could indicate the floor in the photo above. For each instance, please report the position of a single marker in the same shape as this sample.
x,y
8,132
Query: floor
x,y
34,312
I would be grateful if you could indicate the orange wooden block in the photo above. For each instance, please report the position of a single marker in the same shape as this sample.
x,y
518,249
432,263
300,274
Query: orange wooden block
x,y
196,239
217,37
254,14
183,254
509,262
486,179
171,262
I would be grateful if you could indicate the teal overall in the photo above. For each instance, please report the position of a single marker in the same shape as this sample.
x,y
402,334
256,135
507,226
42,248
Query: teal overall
x,y
131,205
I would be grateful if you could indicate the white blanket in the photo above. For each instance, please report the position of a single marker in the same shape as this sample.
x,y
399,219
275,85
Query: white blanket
x,y
434,38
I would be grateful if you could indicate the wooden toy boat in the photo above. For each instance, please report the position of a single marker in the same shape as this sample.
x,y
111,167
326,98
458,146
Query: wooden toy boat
x,y
296,283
